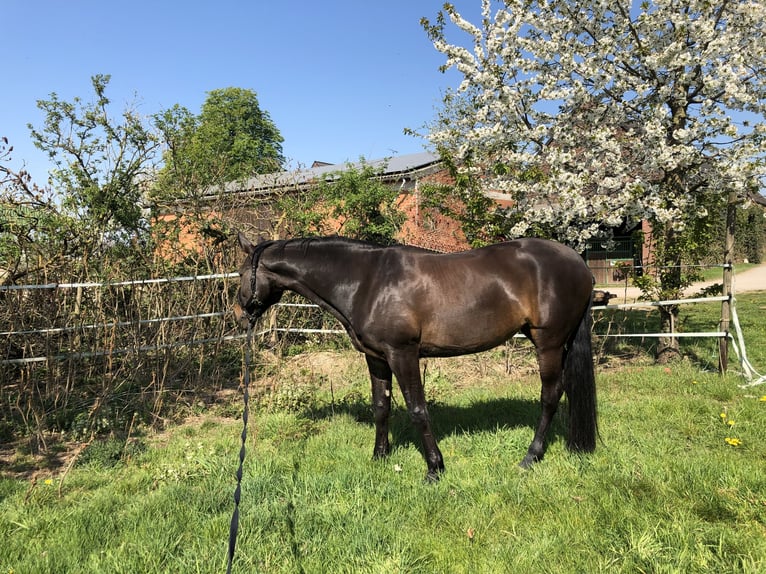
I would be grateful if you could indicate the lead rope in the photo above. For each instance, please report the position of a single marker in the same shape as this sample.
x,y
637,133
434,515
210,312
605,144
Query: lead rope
x,y
234,527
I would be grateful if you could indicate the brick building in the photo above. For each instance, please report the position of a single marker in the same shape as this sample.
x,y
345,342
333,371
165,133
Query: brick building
x,y
250,205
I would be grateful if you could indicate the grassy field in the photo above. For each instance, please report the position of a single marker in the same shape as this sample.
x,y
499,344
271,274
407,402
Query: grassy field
x,y
676,485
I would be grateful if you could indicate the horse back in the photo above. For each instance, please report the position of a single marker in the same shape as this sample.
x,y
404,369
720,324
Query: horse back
x,y
474,300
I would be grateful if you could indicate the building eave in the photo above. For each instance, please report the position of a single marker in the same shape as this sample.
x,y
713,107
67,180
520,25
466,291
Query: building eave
x,y
397,169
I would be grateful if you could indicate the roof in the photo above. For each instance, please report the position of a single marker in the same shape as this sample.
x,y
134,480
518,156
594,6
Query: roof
x,y
758,198
391,169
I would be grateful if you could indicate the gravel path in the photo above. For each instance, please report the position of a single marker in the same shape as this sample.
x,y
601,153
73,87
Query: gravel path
x,y
753,279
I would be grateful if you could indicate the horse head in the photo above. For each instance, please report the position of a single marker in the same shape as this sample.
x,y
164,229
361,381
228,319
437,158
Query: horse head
x,y
256,290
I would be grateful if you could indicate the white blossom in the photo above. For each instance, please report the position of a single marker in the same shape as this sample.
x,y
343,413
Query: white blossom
x,y
628,111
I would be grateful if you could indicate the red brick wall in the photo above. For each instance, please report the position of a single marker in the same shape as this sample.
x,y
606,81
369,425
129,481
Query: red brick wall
x,y
426,227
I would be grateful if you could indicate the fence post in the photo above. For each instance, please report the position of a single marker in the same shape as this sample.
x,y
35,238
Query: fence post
x,y
728,263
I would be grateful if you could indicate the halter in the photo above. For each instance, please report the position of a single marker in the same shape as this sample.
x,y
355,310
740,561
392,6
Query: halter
x,y
254,300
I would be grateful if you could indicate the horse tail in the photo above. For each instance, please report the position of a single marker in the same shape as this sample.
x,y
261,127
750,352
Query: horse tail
x,y
580,387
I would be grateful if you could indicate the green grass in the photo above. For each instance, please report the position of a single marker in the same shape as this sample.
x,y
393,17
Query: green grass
x,y
664,491
698,317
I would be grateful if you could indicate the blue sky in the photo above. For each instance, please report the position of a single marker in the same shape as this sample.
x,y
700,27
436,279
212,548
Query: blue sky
x,y
340,79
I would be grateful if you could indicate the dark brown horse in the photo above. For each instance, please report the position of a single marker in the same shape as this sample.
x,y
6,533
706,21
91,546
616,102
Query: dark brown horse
x,y
399,304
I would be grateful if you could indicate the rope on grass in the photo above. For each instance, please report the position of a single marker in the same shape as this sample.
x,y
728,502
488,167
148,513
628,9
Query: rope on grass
x,y
234,526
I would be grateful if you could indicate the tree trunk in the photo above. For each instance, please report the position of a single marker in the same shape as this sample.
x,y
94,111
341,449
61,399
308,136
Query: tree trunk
x,y
668,349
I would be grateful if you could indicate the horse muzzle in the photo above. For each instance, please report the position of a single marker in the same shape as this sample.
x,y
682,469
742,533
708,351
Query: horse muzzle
x,y
250,312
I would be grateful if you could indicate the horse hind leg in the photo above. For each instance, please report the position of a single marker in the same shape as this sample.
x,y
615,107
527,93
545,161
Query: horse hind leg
x,y
380,376
551,370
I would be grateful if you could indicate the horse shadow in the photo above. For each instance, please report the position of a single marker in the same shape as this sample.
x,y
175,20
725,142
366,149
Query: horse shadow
x,y
487,415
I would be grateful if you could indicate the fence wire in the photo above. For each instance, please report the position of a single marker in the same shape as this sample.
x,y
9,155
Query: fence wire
x,y
100,344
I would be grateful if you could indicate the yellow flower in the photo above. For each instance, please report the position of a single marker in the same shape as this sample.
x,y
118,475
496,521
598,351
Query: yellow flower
x,y
48,481
763,399
723,416
733,441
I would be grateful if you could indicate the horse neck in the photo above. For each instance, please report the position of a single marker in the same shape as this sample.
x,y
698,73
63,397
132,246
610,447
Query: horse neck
x,y
324,271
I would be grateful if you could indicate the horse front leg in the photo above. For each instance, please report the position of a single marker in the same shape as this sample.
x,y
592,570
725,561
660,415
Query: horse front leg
x,y
406,367
380,376
551,369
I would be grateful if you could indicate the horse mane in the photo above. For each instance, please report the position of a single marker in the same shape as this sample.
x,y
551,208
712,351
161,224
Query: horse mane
x,y
306,243
332,239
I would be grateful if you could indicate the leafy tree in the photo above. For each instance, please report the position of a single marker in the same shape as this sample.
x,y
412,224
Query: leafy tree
x,y
751,236
181,174
231,139
102,165
353,202
34,234
592,114
464,200
232,125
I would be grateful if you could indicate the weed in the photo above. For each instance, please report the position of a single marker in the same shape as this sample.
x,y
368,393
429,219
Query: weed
x,y
109,452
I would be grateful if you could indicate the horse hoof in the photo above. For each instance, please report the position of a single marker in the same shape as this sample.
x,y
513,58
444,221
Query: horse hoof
x,y
528,462
432,477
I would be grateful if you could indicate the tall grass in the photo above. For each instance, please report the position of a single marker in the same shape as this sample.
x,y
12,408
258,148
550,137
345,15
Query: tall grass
x,y
664,492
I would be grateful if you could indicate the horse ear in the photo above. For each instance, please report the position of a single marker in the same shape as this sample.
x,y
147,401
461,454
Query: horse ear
x,y
245,243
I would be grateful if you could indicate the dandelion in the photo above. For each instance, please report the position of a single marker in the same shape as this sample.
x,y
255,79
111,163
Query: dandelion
x,y
694,382
730,422
733,441
763,399
48,481
723,416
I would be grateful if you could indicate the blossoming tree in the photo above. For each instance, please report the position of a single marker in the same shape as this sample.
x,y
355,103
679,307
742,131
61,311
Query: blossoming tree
x,y
591,115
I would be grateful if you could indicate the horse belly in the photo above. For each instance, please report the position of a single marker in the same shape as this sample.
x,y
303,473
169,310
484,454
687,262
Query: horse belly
x,y
470,329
